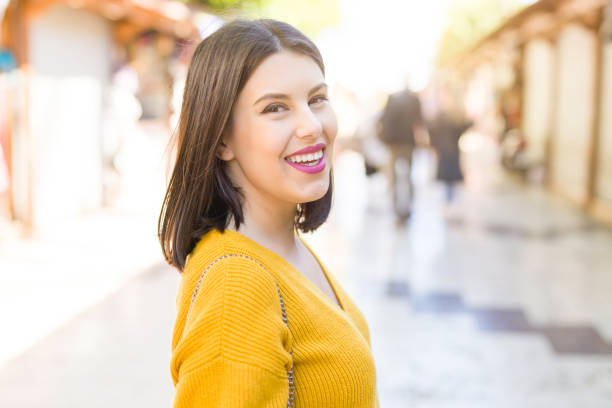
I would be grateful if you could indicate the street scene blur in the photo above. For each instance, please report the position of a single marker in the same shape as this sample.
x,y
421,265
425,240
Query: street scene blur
x,y
472,210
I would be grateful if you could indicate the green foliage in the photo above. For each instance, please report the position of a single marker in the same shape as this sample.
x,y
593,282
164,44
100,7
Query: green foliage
x,y
224,5
468,21
309,16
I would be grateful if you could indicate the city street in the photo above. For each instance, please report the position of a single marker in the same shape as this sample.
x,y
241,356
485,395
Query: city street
x,y
501,300
482,264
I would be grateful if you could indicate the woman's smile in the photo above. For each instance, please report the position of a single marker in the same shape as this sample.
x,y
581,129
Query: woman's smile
x,y
309,160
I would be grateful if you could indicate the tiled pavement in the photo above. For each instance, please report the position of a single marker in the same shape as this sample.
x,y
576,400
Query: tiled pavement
x,y
114,354
502,302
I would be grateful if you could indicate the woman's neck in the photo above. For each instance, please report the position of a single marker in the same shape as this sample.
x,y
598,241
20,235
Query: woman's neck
x,y
272,228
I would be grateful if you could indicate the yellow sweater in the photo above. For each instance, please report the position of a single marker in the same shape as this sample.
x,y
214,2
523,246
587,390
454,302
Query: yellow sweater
x,y
233,349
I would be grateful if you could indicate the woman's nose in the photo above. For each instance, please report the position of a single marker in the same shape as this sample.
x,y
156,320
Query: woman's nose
x,y
307,123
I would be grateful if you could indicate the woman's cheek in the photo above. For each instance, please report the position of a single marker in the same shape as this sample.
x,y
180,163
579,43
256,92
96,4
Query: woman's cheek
x,y
268,140
330,124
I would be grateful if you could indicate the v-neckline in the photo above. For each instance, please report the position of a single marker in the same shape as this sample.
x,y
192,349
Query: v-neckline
x,y
316,290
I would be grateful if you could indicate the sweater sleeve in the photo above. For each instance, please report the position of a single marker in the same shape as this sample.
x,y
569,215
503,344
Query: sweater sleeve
x,y
234,350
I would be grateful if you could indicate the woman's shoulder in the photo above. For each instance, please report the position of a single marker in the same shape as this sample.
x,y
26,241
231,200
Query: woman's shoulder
x,y
220,255
231,247
216,245
206,246
215,274
228,305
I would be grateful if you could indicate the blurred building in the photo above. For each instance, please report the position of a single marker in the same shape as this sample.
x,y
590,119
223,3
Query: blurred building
x,y
63,63
548,72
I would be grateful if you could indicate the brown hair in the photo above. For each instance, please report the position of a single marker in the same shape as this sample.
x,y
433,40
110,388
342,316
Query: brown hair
x,y
200,195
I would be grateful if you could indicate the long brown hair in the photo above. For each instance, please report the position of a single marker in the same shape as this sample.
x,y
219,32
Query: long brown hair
x,y
200,195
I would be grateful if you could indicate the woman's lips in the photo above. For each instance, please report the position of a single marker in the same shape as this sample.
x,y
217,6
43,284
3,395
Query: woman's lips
x,y
317,167
309,149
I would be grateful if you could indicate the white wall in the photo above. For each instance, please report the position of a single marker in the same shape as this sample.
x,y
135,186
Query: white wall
x,y
538,94
574,114
70,56
603,186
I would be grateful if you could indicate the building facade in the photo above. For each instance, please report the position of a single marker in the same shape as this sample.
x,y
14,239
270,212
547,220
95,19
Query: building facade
x,y
57,98
560,52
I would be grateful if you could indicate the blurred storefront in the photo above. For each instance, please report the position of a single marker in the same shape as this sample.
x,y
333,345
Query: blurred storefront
x,y
83,72
548,69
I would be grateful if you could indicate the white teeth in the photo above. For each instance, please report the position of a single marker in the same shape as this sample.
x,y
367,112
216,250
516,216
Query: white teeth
x,y
302,158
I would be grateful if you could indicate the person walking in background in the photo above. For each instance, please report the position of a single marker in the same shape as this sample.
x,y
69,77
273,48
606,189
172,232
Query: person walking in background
x,y
444,133
260,321
400,121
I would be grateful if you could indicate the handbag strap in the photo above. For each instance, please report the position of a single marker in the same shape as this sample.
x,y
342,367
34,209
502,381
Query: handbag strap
x,y
290,376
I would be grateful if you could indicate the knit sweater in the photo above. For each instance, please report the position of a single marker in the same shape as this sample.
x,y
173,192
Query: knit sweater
x,y
232,347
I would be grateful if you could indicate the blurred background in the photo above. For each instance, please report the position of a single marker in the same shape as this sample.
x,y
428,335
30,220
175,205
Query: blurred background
x,y
473,194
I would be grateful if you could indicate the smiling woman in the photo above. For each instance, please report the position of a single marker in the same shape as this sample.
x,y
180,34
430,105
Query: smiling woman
x,y
260,321
270,128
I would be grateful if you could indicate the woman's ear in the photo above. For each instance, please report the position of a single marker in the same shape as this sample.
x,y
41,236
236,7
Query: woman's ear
x,y
224,152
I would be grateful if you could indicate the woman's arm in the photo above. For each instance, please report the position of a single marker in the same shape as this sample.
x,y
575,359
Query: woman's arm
x,y
234,351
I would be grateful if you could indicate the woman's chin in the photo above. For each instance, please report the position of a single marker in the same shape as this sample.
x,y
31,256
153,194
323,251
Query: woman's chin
x,y
313,195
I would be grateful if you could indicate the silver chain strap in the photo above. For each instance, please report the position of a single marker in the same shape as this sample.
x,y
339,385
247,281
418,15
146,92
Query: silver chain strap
x,y
291,400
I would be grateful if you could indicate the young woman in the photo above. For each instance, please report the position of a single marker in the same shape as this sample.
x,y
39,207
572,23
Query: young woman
x,y
260,321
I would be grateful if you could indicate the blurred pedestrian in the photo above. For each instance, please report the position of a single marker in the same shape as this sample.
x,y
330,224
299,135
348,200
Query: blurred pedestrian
x,y
260,321
444,133
375,153
399,123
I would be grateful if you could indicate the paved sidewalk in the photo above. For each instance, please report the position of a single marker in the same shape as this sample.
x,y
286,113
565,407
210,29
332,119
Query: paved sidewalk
x,y
501,300
45,281
114,354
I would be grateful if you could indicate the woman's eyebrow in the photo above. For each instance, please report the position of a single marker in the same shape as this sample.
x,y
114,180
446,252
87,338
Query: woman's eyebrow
x,y
271,96
316,88
284,96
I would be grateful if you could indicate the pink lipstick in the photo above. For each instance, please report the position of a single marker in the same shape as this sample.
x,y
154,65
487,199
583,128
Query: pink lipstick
x,y
309,149
309,160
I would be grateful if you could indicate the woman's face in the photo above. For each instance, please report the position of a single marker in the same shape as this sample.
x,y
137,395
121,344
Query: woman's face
x,y
280,143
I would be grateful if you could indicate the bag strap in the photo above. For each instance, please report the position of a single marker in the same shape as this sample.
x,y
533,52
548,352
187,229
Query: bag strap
x,y
290,376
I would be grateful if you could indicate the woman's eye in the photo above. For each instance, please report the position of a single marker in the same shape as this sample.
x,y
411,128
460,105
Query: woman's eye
x,y
318,99
273,108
